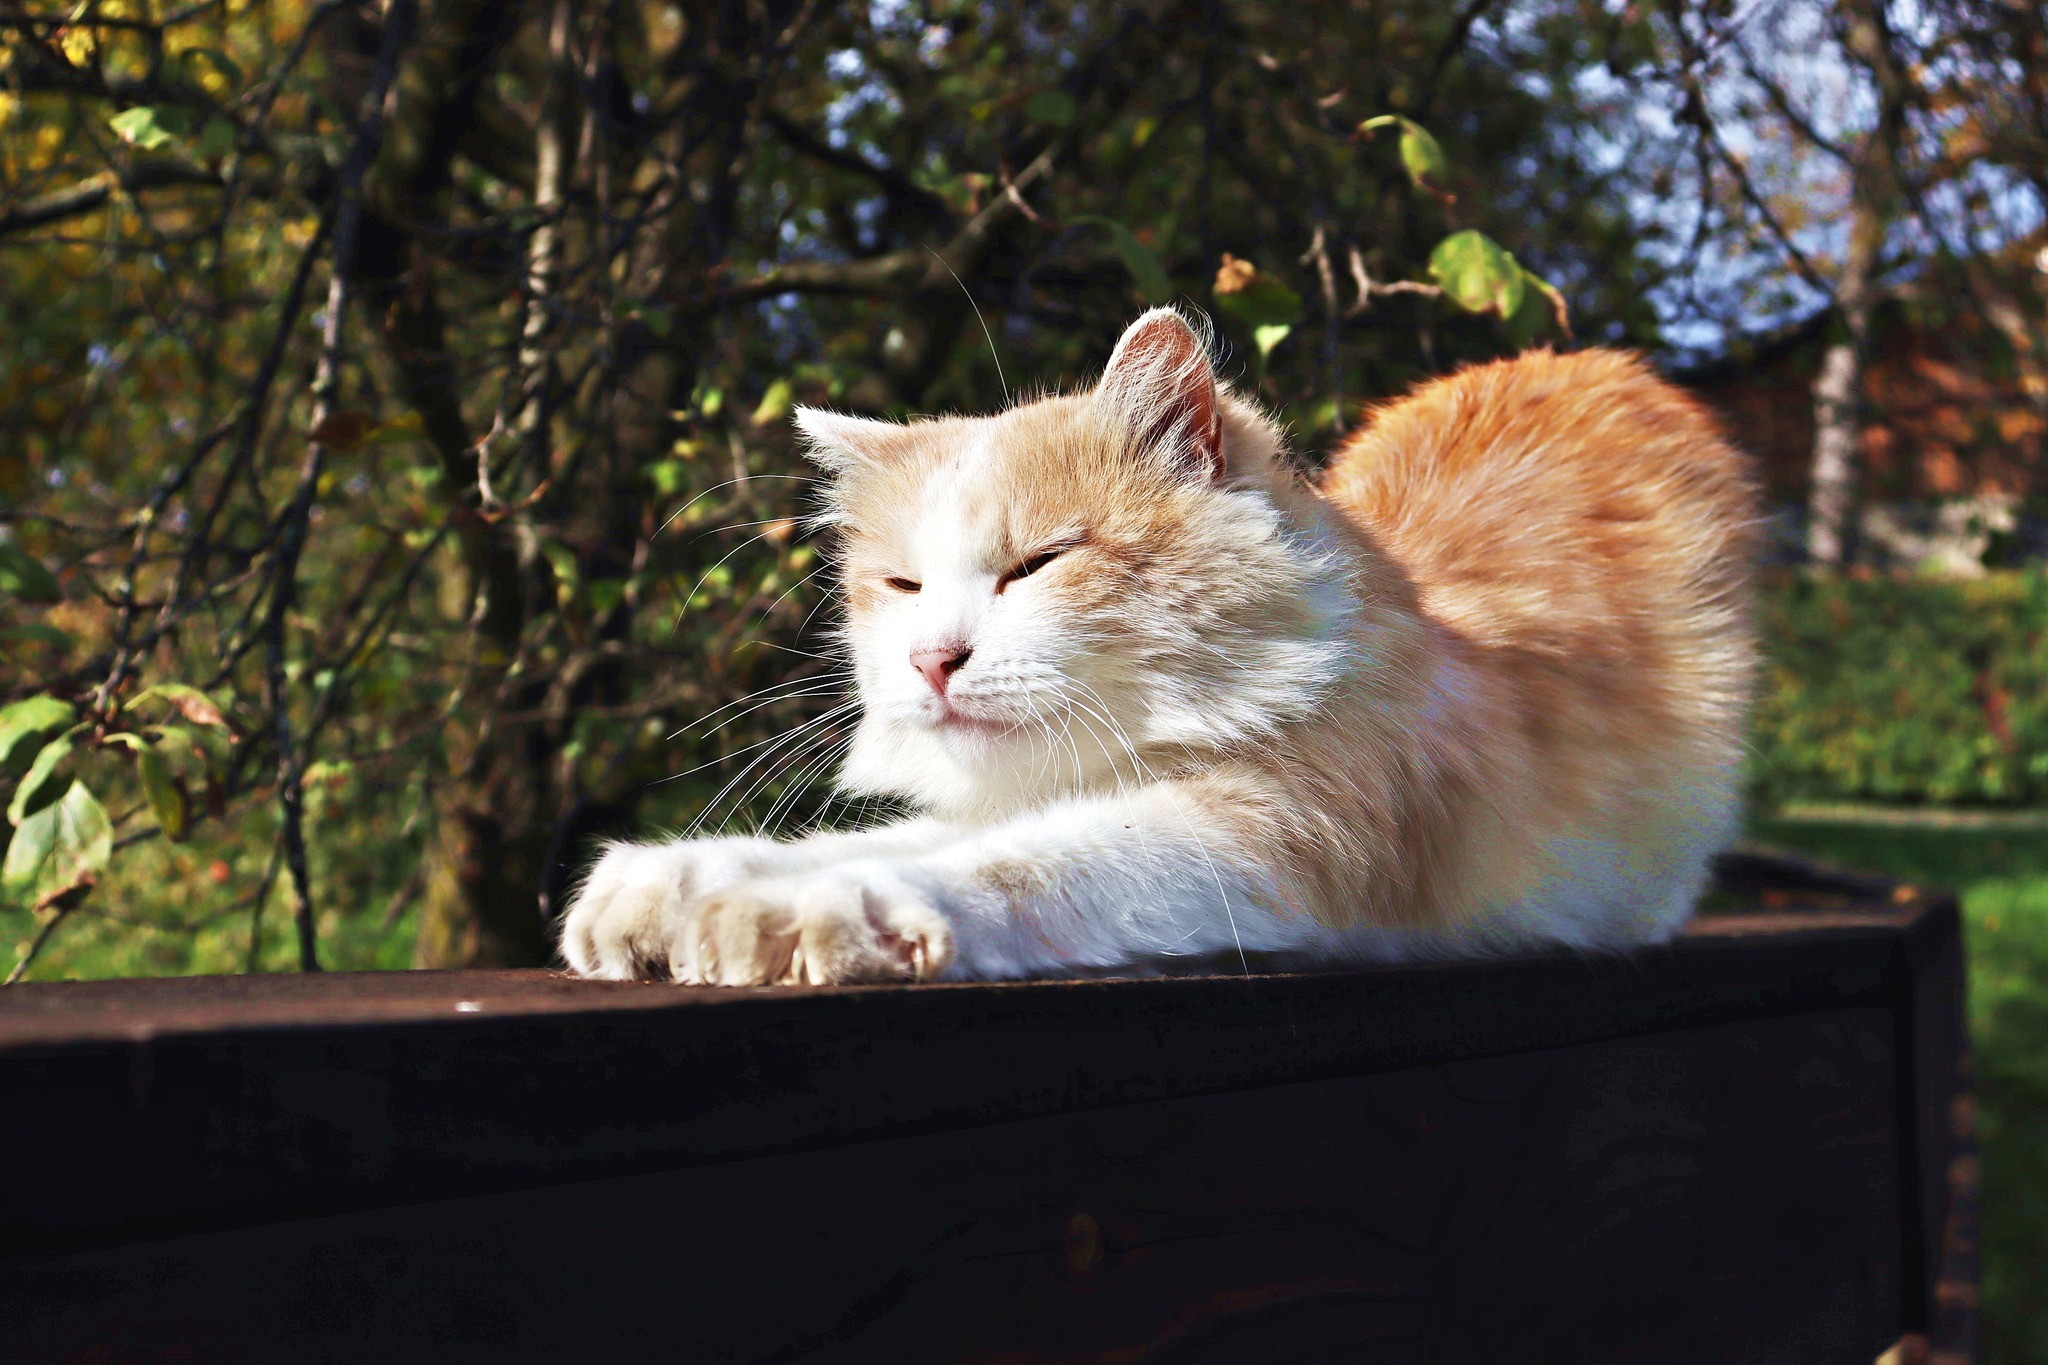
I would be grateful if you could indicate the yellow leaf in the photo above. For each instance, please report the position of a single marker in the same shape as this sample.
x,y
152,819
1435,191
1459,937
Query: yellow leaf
x,y
774,402
407,426
166,797
77,45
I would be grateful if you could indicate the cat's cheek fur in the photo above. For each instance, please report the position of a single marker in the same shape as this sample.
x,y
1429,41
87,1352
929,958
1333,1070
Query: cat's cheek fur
x,y
917,764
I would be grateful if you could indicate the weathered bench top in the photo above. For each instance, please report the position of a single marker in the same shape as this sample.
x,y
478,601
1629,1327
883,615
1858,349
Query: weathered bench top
x,y
185,1108
68,1015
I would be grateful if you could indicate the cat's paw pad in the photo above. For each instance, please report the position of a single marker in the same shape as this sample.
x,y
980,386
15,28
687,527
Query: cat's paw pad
x,y
826,928
636,904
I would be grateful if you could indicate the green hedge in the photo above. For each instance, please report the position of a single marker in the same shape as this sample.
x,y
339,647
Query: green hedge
x,y
1895,689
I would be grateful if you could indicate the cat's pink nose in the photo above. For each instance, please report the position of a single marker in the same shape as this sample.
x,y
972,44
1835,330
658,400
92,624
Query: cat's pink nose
x,y
938,665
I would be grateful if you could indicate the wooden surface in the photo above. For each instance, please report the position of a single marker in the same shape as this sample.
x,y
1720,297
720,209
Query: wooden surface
x,y
1720,1151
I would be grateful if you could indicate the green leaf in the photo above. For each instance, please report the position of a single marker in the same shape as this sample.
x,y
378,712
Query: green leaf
x,y
1560,311
1421,153
776,401
216,139
42,785
59,852
1155,286
562,560
1526,323
1542,309
328,772
1269,336
166,797
41,632
189,702
1478,274
1051,106
659,320
406,426
24,578
25,726
150,126
670,477
1255,298
667,476
181,749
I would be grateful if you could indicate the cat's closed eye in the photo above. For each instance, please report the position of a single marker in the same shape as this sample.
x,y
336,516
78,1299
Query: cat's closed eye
x,y
1029,565
903,584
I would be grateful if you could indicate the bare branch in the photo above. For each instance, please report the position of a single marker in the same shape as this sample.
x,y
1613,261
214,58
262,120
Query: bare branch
x,y
892,181
94,193
901,271
1696,113
1454,42
35,947
1370,289
326,382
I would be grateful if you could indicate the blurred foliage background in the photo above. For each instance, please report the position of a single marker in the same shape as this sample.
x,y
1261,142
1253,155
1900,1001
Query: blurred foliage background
x,y
410,383
396,488
1916,690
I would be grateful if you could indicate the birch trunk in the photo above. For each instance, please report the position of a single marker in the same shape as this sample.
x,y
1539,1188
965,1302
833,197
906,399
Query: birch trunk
x,y
1837,397
1838,388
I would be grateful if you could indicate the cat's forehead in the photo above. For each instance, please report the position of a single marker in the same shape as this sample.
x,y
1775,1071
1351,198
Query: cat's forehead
x,y
1034,440
959,498
982,478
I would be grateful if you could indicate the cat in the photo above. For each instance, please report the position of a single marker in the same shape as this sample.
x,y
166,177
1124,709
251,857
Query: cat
x,y
1163,702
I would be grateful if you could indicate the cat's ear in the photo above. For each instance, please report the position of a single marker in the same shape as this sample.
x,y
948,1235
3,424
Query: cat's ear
x,y
1160,387
838,442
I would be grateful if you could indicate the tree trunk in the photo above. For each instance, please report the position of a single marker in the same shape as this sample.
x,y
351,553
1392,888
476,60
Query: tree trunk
x,y
515,821
488,863
1838,388
1837,398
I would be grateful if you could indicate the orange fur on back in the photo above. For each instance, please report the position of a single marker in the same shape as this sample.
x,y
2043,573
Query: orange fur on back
x,y
1573,505
1583,536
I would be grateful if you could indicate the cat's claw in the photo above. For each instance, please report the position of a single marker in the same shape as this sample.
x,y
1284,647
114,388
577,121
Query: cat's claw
x,y
637,903
815,929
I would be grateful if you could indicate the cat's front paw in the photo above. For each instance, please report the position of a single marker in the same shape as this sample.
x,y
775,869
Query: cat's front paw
x,y
636,905
816,929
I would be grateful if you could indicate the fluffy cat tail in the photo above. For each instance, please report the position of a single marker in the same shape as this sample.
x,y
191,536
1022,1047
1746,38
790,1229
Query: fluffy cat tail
x,y
1585,539
1575,507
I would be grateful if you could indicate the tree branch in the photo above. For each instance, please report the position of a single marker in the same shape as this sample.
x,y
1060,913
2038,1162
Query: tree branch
x,y
894,272
1461,31
93,194
326,384
893,181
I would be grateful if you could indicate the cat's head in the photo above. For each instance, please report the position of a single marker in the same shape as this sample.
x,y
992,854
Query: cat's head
x,y
1078,590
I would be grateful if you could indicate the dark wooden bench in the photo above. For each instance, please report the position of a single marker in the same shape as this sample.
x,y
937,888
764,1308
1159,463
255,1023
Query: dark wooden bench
x,y
1738,1148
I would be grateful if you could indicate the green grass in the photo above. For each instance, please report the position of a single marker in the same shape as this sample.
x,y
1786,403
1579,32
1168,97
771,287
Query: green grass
x,y
2001,869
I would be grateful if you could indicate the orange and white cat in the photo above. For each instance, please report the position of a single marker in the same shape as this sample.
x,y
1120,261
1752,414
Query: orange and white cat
x,y
1161,701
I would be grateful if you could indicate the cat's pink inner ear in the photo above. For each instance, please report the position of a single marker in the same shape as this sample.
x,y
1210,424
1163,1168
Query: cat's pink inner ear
x,y
838,441
1161,386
